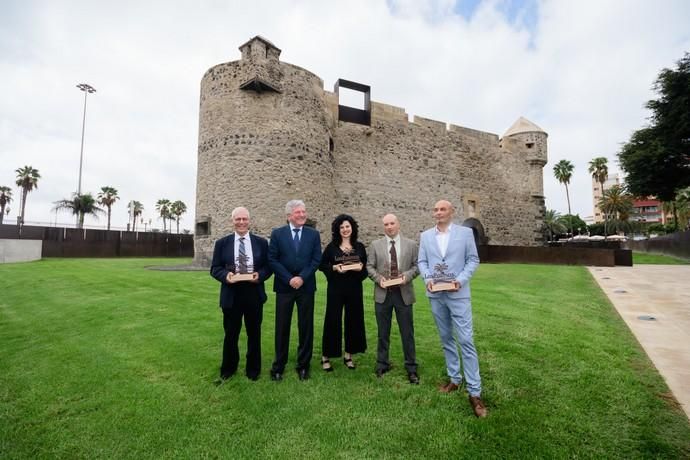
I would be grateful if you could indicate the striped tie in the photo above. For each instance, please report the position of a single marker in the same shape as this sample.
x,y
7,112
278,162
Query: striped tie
x,y
242,259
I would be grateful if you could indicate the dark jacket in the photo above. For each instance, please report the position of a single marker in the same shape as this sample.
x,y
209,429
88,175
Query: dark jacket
x,y
286,264
224,261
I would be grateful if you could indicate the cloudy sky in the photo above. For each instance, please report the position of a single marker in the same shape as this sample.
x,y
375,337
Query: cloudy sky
x,y
580,70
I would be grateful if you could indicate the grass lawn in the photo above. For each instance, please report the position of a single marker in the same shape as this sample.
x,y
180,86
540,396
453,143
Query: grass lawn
x,y
657,259
104,359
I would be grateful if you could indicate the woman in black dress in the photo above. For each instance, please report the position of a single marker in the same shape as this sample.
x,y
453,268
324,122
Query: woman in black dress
x,y
344,263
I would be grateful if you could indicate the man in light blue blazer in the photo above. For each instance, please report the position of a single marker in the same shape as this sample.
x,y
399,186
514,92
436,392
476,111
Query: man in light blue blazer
x,y
448,254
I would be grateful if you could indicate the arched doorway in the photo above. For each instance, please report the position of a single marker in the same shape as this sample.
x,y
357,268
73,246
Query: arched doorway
x,y
480,238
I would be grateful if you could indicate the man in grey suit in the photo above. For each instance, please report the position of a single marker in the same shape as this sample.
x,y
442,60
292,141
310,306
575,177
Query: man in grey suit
x,y
448,255
390,257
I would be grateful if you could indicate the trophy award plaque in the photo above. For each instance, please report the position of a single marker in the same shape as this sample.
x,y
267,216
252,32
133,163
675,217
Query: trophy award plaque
x,y
393,279
350,262
243,270
441,280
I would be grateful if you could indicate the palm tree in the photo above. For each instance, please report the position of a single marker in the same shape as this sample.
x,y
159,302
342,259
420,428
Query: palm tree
x,y
27,180
80,206
5,198
163,208
553,223
107,197
678,207
599,170
177,208
563,170
618,204
683,206
136,209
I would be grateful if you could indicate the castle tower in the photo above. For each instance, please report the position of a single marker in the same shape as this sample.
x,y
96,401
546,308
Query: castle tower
x,y
528,140
264,138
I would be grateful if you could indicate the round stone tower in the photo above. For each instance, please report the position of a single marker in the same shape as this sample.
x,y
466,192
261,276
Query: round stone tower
x,y
264,139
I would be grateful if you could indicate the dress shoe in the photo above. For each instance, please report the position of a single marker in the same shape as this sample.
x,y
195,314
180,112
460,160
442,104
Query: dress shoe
x,y
380,372
413,377
303,374
223,378
276,376
478,406
448,387
253,377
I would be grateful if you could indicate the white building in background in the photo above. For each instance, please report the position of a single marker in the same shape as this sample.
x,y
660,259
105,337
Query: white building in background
x,y
597,193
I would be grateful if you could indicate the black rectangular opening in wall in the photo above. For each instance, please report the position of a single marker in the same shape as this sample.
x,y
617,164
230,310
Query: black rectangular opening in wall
x,y
361,113
203,227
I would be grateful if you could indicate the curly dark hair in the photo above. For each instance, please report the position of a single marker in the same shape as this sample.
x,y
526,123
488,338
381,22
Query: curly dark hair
x,y
335,229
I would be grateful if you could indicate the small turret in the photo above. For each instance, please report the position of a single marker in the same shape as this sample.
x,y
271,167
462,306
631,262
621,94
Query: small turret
x,y
260,59
258,49
529,140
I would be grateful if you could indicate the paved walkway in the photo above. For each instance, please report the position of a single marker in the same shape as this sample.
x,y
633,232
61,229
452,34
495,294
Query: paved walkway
x,y
661,292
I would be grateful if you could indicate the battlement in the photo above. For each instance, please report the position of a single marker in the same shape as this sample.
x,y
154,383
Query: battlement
x,y
391,113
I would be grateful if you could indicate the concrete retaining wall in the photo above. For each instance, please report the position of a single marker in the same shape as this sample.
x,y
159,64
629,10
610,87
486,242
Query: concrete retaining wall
x,y
20,250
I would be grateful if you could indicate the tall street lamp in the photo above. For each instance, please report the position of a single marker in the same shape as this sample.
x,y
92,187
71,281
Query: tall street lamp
x,y
87,89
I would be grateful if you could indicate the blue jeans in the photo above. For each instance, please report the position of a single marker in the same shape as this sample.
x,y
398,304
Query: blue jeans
x,y
456,314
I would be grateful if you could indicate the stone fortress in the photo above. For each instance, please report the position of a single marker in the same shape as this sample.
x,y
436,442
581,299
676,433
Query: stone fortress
x,y
269,132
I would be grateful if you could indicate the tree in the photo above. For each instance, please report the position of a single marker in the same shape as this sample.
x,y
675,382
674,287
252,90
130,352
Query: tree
x,y
177,208
80,206
656,159
574,222
107,197
617,205
553,224
5,198
135,209
163,208
27,180
680,208
683,207
563,170
599,170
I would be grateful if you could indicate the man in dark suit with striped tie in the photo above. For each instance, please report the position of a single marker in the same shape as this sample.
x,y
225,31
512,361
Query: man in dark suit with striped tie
x,y
294,254
240,264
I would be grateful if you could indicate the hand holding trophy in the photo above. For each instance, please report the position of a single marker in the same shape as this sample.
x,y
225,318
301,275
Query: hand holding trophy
x,y
393,279
441,280
349,263
244,272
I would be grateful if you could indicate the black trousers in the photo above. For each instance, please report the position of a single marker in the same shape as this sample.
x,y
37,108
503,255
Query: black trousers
x,y
355,334
248,306
285,304
403,314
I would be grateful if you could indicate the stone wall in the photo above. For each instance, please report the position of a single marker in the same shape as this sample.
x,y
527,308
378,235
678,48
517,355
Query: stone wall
x,y
268,133
401,167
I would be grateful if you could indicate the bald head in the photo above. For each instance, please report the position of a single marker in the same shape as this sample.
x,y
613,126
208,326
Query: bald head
x,y
391,225
443,213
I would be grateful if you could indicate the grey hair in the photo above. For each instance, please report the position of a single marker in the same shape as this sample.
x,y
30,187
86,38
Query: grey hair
x,y
292,205
238,209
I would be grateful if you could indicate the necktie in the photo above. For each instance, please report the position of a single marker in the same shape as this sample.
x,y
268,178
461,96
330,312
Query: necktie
x,y
242,259
394,260
295,239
